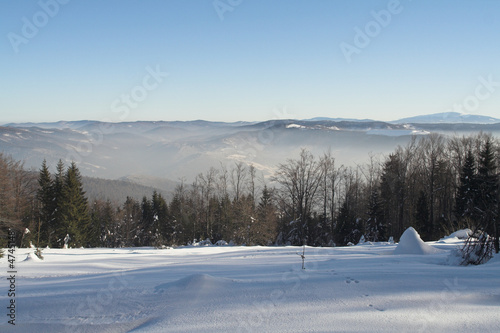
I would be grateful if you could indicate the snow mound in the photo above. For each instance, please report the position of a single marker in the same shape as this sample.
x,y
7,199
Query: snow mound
x,y
411,243
31,257
456,237
461,234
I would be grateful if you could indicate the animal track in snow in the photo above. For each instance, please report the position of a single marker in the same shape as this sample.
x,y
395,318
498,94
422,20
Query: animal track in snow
x,y
376,308
349,280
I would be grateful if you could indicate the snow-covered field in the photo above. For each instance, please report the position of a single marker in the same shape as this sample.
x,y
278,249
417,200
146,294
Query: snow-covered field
x,y
363,288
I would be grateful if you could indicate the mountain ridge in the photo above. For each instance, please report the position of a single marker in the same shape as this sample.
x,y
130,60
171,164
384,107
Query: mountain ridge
x,y
182,150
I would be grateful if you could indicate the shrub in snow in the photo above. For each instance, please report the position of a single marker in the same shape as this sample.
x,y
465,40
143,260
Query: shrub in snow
x,y
38,253
221,243
205,242
411,243
478,249
303,256
391,240
362,240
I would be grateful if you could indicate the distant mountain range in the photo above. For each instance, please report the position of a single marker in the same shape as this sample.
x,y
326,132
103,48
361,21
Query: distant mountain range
x,y
449,118
436,118
160,153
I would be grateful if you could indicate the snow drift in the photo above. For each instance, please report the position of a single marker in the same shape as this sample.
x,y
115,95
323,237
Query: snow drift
x,y
411,243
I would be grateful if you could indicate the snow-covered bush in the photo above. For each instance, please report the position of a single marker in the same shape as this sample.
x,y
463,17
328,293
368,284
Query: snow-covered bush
x,y
38,253
362,240
460,234
478,249
221,243
205,242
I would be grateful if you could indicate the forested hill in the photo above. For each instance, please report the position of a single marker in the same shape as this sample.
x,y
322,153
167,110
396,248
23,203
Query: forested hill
x,y
117,191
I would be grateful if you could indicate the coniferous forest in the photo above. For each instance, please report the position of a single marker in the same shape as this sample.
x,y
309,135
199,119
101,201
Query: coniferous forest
x,y
435,184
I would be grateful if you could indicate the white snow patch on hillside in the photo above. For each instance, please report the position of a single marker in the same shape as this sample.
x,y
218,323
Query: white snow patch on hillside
x,y
294,126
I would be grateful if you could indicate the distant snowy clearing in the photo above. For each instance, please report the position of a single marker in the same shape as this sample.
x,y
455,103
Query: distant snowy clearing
x,y
363,288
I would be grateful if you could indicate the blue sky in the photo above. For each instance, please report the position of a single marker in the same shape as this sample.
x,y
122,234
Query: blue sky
x,y
230,60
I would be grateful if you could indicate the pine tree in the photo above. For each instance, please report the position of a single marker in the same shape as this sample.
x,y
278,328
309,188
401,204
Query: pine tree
x,y
487,199
161,227
74,208
467,191
422,217
266,222
375,225
147,222
485,239
131,218
346,230
47,204
59,230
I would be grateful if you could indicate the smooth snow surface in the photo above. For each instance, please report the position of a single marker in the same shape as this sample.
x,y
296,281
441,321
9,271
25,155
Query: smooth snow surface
x,y
411,243
363,288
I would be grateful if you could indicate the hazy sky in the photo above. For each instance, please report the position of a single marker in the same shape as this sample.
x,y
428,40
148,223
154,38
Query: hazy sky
x,y
230,60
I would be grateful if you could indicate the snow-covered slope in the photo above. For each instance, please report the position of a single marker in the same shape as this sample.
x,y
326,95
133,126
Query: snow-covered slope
x,y
364,288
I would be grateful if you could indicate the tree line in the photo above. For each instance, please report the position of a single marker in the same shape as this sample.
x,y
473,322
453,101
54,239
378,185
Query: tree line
x,y
435,184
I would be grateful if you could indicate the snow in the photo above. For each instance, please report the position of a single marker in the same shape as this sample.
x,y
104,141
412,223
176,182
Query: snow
x,y
411,243
461,234
362,288
295,126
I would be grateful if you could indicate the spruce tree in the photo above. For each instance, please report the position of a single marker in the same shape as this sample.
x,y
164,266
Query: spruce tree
x,y
47,204
485,239
74,208
422,217
161,227
346,230
487,199
147,222
375,225
59,230
467,192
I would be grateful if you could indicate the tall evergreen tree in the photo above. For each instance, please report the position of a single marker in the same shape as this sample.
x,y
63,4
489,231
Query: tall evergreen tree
x,y
346,229
422,217
467,192
74,208
375,225
161,227
487,199
46,198
59,229
147,221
